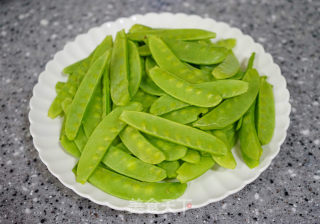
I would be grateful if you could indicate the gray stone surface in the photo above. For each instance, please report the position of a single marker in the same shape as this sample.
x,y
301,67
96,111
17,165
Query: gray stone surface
x,y
32,31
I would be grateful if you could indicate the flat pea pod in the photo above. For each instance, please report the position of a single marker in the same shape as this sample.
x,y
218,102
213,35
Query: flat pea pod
x,y
81,139
100,140
171,150
239,123
94,111
179,34
138,27
106,97
66,104
227,43
170,167
101,49
189,171
135,68
228,68
184,91
83,96
197,53
144,50
119,69
59,86
165,104
174,132
250,162
69,146
168,61
140,146
192,156
122,147
227,135
241,73
265,112
249,141
147,84
231,110
185,115
130,189
145,99
73,68
226,88
130,166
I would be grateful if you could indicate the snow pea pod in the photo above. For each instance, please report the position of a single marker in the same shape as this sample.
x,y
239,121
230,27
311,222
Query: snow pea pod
x,y
171,150
147,84
101,49
226,88
83,96
140,146
94,111
231,110
122,147
100,140
81,139
192,156
197,53
228,68
170,167
138,27
228,136
59,86
189,171
69,146
167,60
185,115
174,132
249,141
130,166
184,91
166,104
135,68
227,43
265,121
119,83
144,50
179,34
130,189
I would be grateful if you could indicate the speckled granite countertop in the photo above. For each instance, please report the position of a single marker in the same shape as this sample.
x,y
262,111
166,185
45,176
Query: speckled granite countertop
x,y
32,31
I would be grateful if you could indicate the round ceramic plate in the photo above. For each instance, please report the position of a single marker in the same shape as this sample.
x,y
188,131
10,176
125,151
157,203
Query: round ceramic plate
x,y
215,184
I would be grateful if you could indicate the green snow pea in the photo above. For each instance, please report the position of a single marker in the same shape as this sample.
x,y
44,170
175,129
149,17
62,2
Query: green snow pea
x,y
119,69
140,146
81,139
226,88
249,141
250,162
145,99
174,132
184,91
192,156
93,114
130,189
179,34
100,140
227,43
167,60
101,49
170,167
197,53
66,104
228,68
69,146
139,27
185,115
74,68
59,86
135,68
265,111
166,104
241,73
147,84
83,95
239,123
231,110
130,166
144,50
171,150
189,171
123,148
228,136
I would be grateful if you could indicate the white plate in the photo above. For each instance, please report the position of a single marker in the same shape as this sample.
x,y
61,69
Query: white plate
x,y
213,185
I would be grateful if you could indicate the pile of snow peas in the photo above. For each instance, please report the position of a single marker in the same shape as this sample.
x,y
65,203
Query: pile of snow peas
x,y
156,108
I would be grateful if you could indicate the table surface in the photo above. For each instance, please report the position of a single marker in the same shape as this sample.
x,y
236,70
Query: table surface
x,y
31,32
